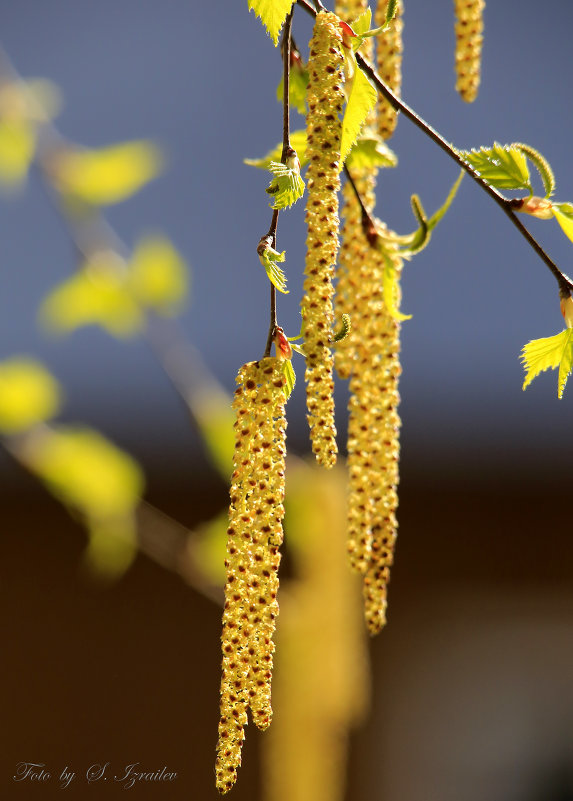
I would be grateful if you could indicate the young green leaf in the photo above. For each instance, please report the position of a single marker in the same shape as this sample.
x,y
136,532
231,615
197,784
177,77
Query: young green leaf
x,y
361,101
272,14
501,166
290,377
371,151
550,352
541,164
563,213
417,241
287,186
362,23
298,143
391,290
269,258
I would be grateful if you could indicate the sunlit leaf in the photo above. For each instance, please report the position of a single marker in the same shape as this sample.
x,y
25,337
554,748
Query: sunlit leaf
x,y
28,395
112,547
370,152
392,292
501,166
298,142
85,470
290,377
212,410
96,295
17,149
362,23
550,352
108,175
158,276
209,548
563,213
272,14
361,100
286,187
269,258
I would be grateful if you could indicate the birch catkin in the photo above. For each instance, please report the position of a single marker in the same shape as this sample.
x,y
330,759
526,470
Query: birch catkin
x,y
254,536
468,27
325,97
389,61
373,430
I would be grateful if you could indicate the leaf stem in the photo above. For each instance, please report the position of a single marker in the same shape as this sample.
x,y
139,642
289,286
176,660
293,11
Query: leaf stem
x,y
565,283
286,48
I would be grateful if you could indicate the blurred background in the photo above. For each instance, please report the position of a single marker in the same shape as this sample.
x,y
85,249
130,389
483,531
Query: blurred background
x,y
472,693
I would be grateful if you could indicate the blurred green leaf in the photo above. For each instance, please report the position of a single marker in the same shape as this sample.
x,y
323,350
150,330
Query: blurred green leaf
x,y
105,176
96,295
28,395
158,275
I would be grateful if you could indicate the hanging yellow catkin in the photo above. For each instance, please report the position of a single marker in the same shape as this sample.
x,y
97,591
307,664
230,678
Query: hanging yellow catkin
x,y
389,62
325,97
353,245
373,430
468,27
255,534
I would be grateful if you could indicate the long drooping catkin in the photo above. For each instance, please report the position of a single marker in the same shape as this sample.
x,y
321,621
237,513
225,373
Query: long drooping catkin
x,y
389,61
325,98
468,27
373,430
255,534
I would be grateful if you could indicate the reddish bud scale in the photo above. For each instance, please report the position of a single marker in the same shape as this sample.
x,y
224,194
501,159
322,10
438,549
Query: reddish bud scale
x,y
389,63
325,98
254,536
469,39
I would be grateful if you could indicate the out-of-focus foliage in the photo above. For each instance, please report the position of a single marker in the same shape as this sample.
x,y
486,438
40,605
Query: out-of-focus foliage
x,y
24,107
105,176
116,295
94,478
28,395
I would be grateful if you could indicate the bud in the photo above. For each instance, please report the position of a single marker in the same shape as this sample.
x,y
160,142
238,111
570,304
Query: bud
x,y
567,310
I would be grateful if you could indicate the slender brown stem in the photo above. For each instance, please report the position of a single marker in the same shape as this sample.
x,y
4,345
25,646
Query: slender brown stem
x,y
272,233
565,283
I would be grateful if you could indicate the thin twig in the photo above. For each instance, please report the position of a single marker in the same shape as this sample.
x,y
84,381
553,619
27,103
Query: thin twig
x,y
286,49
565,283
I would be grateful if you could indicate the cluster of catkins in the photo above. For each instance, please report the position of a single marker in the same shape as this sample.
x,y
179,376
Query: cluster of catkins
x,y
368,357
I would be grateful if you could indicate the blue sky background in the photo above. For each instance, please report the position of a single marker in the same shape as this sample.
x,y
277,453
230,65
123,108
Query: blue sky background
x,y
200,78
